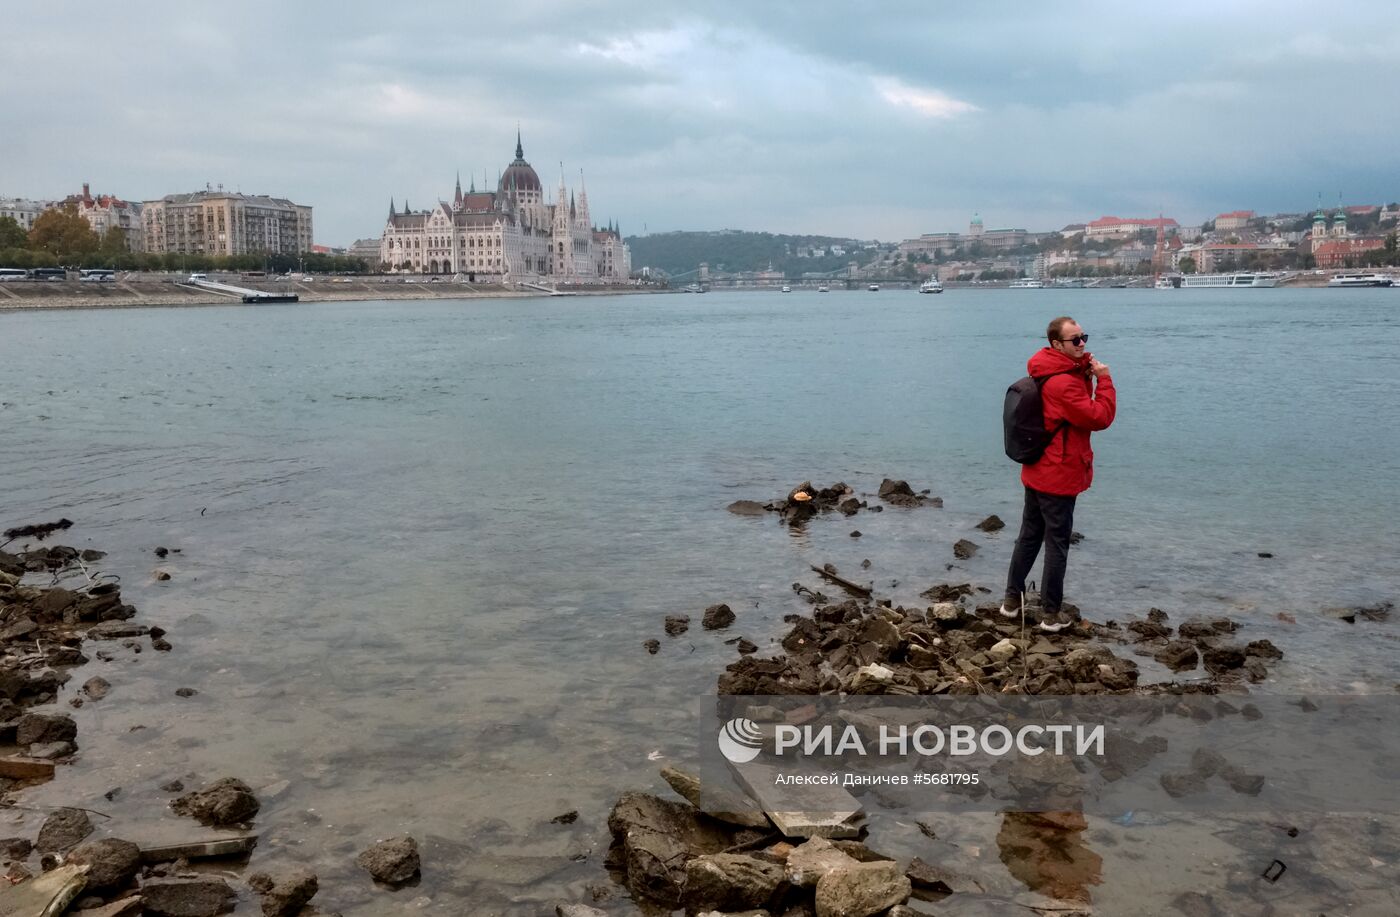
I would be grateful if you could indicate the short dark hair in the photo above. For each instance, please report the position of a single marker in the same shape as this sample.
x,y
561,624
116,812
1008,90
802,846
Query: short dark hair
x,y
1056,326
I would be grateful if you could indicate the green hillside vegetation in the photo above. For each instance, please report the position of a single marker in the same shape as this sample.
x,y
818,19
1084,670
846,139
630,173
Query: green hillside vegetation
x,y
732,251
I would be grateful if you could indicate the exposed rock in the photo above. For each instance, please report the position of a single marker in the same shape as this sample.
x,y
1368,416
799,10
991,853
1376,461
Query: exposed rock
x,y
567,818
185,692
1205,628
15,848
725,806
677,625
657,837
1264,649
717,617
936,879
112,862
652,646
63,829
285,893
205,896
811,860
51,750
116,630
393,861
1222,658
41,728
861,889
745,647
945,592
126,907
730,881
964,549
225,802
1179,656
992,523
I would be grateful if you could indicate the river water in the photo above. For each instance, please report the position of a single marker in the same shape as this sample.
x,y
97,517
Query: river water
x,y
422,542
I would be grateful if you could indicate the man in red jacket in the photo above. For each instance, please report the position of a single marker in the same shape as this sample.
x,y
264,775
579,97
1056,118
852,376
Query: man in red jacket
x,y
1074,406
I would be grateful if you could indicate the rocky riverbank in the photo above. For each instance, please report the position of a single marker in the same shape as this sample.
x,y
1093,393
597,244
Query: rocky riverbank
x,y
740,858
58,612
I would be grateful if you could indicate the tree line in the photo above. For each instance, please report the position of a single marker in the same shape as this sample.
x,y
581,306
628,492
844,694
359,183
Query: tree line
x,y
61,237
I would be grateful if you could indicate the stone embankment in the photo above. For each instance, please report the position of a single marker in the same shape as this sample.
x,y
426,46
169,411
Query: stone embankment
x,y
73,294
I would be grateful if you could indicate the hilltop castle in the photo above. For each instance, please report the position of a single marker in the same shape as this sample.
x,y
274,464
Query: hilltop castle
x,y
510,234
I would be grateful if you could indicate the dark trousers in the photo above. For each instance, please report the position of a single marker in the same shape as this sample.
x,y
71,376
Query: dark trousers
x,y
1047,518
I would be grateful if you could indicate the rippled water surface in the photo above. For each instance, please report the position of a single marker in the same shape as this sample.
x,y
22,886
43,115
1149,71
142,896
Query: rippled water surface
x,y
422,542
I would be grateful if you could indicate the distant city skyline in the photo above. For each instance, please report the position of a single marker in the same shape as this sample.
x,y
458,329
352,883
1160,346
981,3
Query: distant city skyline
x,y
818,119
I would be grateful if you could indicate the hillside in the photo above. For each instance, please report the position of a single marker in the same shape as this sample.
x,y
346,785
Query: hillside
x,y
733,251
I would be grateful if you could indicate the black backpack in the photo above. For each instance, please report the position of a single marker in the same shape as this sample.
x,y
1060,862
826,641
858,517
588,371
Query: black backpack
x,y
1023,420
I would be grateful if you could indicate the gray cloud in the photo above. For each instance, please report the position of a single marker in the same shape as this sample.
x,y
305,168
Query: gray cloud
x,y
882,121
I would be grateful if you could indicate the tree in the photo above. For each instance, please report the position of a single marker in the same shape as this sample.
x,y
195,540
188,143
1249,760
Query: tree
x,y
12,235
1187,265
113,242
63,233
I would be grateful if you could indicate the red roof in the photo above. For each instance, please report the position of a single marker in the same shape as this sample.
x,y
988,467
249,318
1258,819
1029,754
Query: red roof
x,y
1237,215
1347,246
1363,208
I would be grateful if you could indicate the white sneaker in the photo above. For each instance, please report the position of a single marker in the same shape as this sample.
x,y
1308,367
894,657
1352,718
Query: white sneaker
x,y
1052,622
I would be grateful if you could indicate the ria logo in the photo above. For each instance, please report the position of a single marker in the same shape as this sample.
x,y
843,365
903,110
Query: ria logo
x,y
740,740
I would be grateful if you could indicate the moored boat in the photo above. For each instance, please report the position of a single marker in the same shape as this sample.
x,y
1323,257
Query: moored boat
x,y
931,286
1361,280
1027,283
1235,279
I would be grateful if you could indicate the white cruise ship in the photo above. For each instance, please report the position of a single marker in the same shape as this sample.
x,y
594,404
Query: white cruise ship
x,y
1361,280
1029,283
1213,281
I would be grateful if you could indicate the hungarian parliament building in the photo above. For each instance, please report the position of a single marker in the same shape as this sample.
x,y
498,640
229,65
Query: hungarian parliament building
x,y
510,234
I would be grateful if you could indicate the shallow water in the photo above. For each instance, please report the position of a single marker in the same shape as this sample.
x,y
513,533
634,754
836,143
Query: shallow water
x,y
422,542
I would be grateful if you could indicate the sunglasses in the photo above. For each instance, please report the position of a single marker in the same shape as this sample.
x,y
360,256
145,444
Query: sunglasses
x,y
1076,340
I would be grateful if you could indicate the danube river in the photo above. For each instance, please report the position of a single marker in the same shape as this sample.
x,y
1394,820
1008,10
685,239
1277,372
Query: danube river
x,y
421,543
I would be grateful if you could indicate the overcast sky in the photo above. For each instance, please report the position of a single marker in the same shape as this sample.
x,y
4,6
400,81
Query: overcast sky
x,y
876,120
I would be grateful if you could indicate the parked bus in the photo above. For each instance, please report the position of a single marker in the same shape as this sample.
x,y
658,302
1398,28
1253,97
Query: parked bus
x,y
13,273
97,275
49,273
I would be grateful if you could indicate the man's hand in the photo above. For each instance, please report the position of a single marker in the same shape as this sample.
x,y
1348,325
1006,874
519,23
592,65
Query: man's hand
x,y
1098,369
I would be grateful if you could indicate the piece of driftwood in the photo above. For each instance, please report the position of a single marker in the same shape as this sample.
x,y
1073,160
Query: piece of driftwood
x,y
200,850
19,767
47,896
843,582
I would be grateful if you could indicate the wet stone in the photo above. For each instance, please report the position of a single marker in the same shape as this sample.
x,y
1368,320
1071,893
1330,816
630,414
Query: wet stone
x,y
202,897
225,802
964,549
677,625
717,617
393,861
63,829
652,646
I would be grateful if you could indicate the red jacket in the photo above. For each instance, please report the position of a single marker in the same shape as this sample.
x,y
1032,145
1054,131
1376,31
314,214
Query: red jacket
x,y
1067,467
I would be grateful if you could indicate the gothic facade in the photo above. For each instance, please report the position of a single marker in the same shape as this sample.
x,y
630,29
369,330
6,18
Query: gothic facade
x,y
512,234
